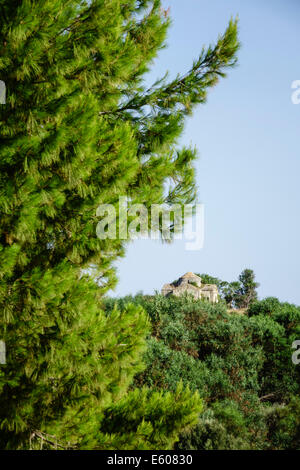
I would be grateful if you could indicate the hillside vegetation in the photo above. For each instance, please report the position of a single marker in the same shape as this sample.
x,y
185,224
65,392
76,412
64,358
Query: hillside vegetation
x,y
240,363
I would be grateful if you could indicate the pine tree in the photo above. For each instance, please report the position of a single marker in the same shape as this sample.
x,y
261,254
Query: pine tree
x,y
79,128
247,293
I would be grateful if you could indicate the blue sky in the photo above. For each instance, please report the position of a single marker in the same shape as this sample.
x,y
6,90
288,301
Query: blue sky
x,y
247,136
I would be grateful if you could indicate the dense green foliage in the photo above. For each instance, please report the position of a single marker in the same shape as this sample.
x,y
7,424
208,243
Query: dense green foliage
x,y
79,128
240,362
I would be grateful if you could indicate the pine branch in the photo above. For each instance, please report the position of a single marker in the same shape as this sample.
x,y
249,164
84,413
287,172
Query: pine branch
x,y
49,439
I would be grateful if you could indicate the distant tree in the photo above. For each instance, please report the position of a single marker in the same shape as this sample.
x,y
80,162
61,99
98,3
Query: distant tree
x,y
230,293
239,294
247,293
